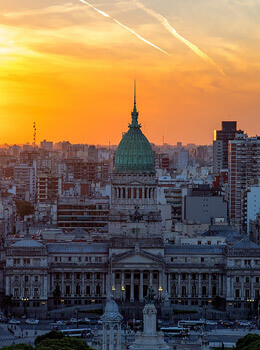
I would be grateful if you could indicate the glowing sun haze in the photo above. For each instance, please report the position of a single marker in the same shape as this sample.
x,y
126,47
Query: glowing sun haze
x,y
71,69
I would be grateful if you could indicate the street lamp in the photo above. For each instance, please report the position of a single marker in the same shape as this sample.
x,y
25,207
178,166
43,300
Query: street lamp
x,y
25,300
160,289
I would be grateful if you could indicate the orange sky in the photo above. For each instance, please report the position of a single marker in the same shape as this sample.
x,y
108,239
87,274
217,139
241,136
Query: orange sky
x,y
71,70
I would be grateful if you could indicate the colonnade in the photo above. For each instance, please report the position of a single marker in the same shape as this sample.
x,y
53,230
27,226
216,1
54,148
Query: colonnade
x,y
140,192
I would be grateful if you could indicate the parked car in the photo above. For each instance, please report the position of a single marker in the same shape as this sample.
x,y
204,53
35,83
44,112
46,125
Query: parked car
x,y
93,322
245,323
72,321
211,323
85,321
4,320
60,322
32,321
14,321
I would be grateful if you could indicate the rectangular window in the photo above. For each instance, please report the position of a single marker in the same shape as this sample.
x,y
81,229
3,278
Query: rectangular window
x,y
204,291
36,293
67,290
87,290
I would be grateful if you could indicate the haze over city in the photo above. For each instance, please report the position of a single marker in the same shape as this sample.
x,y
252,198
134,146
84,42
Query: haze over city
x,y
70,68
129,175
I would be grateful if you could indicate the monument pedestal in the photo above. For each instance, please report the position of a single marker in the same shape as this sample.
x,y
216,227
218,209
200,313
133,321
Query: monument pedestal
x,y
149,339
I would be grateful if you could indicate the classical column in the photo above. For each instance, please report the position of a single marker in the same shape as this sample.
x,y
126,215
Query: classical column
x,y
179,285
189,285
169,284
82,284
232,287
199,286
251,287
151,278
93,284
62,283
141,288
108,283
210,287
72,284
228,287
132,287
103,284
7,288
111,338
123,284
219,285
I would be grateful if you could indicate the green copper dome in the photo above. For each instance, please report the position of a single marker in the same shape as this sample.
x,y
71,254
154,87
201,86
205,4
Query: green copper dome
x,y
134,153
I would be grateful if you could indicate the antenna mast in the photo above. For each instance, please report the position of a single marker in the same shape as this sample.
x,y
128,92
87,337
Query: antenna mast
x,y
34,134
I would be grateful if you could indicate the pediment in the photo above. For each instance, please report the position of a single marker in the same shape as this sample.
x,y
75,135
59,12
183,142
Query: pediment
x,y
135,183
139,257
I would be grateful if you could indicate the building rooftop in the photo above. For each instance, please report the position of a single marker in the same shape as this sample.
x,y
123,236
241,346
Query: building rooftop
x,y
194,249
77,248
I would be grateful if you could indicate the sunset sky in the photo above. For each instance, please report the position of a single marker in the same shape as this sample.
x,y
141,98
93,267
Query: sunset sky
x,y
71,69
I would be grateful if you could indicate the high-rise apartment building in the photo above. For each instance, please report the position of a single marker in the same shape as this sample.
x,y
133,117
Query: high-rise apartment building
x,y
25,179
220,145
243,168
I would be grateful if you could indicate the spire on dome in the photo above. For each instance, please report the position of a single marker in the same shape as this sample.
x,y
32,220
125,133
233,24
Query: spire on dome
x,y
134,113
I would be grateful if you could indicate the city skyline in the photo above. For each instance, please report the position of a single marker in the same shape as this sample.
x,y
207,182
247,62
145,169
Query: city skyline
x,y
59,60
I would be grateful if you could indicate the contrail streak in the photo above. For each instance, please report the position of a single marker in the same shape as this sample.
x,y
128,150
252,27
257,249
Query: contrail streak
x,y
173,31
124,26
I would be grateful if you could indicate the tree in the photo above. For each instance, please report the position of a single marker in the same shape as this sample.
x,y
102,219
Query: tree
x,y
18,347
24,208
7,303
50,335
249,342
55,340
66,343
57,294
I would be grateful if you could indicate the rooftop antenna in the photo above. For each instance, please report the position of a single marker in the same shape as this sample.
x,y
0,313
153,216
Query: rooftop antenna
x,y
135,93
34,134
163,139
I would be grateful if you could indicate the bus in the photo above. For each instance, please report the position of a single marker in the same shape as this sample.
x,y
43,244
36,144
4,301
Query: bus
x,y
78,332
175,331
191,324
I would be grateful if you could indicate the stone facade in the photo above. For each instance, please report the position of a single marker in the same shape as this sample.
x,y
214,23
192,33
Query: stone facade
x,y
85,273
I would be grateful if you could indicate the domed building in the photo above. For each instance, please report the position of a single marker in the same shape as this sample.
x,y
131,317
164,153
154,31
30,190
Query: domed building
x,y
134,184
